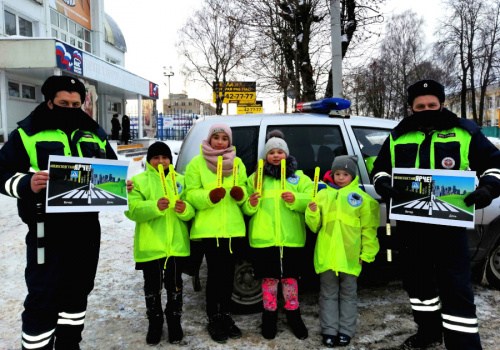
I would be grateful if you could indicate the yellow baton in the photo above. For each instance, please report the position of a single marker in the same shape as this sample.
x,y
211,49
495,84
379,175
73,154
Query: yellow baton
x,y
163,182
260,170
316,180
235,172
219,171
171,171
283,174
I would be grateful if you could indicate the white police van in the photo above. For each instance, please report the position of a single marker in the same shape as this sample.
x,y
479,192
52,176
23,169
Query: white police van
x,y
315,139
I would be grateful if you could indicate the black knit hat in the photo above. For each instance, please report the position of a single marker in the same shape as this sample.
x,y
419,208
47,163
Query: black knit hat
x,y
159,148
57,83
425,87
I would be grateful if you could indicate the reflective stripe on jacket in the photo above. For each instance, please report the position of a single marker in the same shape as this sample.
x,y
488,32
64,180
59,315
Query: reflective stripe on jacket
x,y
347,220
275,222
158,234
220,220
448,149
55,142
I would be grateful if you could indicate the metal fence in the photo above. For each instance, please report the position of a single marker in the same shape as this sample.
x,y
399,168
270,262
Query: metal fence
x,y
174,126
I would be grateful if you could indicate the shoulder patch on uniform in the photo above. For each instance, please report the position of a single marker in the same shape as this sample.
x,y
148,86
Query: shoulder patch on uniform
x,y
354,199
294,179
179,187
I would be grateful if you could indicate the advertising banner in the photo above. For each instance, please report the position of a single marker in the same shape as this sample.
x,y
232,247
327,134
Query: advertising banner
x,y
69,58
249,108
149,118
86,185
153,90
77,10
433,196
236,91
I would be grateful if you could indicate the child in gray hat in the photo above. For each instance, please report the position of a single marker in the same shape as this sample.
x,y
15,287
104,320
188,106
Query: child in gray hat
x,y
347,219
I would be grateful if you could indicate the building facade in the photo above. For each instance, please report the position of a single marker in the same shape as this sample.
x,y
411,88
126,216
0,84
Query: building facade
x,y
491,107
182,104
40,38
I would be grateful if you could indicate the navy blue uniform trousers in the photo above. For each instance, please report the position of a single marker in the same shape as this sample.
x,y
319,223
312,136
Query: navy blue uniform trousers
x,y
438,281
55,307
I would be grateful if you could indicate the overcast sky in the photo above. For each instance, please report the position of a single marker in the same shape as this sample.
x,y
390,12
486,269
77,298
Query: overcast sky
x,y
150,29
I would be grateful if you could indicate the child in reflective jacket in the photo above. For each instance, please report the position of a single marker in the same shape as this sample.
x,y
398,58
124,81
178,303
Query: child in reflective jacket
x,y
161,241
277,233
347,219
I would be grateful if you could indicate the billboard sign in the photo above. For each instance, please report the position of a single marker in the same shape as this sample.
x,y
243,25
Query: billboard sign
x,y
249,108
69,58
78,11
153,90
236,92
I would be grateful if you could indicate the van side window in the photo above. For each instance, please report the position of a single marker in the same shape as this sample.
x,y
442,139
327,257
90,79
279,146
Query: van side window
x,y
313,145
370,141
246,141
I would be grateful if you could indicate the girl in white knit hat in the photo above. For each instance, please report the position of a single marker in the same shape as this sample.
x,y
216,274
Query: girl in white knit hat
x,y
277,233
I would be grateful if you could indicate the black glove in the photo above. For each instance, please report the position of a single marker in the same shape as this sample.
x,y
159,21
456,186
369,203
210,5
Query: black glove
x,y
481,197
385,190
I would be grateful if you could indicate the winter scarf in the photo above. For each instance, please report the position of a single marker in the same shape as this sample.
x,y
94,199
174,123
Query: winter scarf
x,y
275,170
210,155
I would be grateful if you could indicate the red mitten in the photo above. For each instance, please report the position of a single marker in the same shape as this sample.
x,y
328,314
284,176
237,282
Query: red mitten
x,y
217,194
236,193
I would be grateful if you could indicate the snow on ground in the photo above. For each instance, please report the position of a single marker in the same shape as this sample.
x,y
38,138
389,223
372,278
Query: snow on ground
x,y
116,316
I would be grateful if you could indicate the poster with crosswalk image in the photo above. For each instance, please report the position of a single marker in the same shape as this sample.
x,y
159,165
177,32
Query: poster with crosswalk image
x,y
433,196
86,185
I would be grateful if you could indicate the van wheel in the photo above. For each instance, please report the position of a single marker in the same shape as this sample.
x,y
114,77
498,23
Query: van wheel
x,y
247,290
493,267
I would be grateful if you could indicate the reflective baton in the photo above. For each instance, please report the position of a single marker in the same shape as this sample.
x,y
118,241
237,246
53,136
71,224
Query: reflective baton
x,y
163,182
316,180
219,171
235,172
171,171
260,170
283,175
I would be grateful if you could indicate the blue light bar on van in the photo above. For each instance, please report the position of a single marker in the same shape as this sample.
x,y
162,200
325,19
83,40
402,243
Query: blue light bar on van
x,y
324,106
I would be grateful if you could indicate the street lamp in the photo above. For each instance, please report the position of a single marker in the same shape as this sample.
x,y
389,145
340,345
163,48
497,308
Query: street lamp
x,y
168,75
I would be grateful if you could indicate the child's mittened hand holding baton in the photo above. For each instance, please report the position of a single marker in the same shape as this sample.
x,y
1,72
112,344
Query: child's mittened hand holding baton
x,y
163,182
260,170
283,175
171,171
316,180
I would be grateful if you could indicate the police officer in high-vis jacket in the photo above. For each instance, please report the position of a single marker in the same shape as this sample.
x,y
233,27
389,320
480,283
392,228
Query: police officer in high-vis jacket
x,y
55,307
437,267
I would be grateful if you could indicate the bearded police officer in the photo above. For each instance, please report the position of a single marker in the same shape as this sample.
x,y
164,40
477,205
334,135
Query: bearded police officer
x,y
437,267
55,307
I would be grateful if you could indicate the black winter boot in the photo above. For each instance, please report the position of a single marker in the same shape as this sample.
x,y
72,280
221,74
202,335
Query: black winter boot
x,y
173,312
230,327
423,341
216,329
269,324
155,317
296,324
